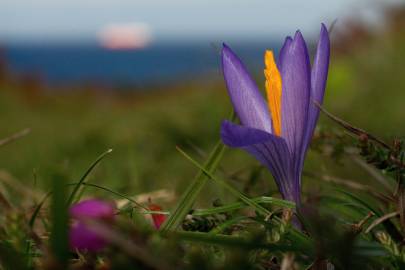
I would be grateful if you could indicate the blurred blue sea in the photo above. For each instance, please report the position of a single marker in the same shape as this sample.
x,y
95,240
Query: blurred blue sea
x,y
161,63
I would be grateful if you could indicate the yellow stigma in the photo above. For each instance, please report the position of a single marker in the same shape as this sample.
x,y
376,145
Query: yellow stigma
x,y
273,90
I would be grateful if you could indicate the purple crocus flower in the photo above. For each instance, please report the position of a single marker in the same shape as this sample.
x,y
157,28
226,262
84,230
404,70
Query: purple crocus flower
x,y
81,235
278,132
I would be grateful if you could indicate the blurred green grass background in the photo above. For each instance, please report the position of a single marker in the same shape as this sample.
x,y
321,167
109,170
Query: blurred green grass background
x,y
69,130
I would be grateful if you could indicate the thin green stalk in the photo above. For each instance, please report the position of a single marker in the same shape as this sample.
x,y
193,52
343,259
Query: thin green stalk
x,y
117,194
190,195
260,209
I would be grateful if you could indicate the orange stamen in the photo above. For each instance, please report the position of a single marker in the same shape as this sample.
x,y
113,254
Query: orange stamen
x,y
273,90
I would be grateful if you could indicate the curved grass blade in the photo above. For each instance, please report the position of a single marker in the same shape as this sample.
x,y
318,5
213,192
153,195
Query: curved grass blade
x,y
117,194
380,220
89,170
45,198
359,201
389,226
42,202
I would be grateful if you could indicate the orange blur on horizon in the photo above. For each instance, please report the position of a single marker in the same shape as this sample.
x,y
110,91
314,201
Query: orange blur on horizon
x,y
125,36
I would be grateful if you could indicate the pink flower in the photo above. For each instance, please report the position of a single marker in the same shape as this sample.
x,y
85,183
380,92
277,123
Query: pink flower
x,y
81,235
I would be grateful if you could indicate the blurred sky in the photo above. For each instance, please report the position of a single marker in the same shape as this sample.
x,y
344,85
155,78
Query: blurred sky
x,y
39,20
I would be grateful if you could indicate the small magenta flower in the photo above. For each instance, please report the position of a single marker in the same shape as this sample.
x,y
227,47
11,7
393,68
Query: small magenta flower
x,y
278,132
81,235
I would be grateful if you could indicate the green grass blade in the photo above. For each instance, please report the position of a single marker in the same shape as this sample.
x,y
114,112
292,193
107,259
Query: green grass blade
x,y
359,201
89,170
60,220
190,195
260,209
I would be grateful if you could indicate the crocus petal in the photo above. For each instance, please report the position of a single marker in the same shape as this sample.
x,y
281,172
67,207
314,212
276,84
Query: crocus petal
x,y
283,50
270,150
81,237
239,136
92,208
247,101
295,74
319,75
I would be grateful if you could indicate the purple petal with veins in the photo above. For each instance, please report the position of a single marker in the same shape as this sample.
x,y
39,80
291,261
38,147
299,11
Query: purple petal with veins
x,y
247,101
283,156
